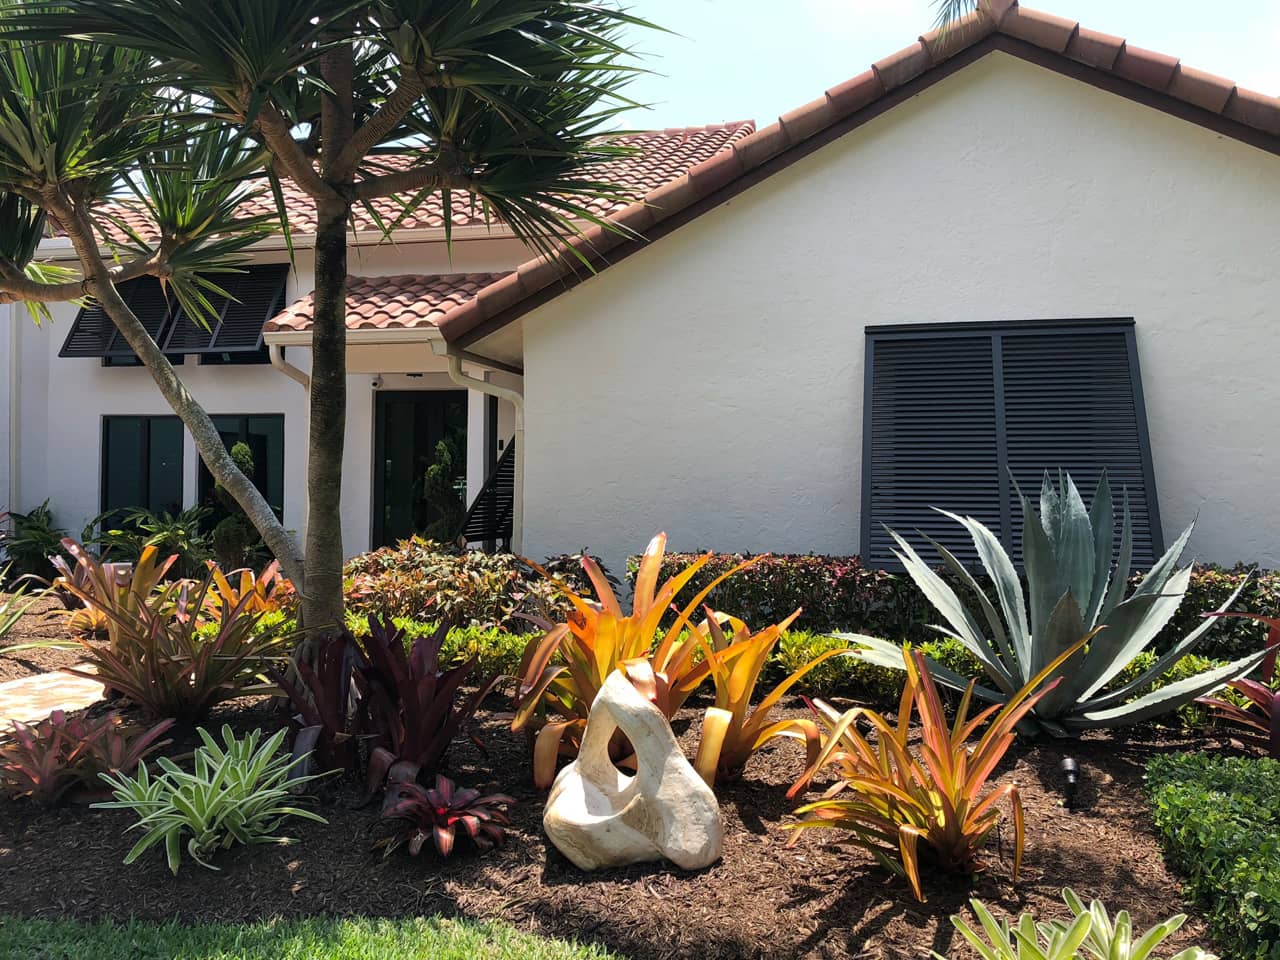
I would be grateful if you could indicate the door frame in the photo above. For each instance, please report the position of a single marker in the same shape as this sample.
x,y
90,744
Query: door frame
x,y
380,399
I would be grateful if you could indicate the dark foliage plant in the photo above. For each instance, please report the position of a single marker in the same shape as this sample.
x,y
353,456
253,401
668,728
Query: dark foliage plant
x,y
383,691
62,756
409,705
439,813
1218,818
27,541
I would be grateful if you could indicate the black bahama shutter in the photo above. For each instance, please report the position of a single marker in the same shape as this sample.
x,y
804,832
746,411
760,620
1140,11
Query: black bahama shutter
x,y
952,411
256,295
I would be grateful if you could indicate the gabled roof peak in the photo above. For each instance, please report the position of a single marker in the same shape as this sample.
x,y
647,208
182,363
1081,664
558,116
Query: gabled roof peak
x,y
1055,42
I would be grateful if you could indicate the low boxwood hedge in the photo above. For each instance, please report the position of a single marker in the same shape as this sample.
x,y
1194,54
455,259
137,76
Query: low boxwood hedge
x,y
1219,822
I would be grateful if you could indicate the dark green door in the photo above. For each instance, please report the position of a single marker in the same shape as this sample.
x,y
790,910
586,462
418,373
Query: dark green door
x,y
416,429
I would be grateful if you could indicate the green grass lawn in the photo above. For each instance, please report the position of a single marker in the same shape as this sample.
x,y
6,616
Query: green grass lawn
x,y
428,939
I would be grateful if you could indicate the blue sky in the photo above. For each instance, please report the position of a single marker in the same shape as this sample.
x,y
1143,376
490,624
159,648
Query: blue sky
x,y
756,59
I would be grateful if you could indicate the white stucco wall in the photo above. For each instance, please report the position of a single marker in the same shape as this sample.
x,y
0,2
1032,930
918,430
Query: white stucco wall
x,y
60,402
711,385
7,370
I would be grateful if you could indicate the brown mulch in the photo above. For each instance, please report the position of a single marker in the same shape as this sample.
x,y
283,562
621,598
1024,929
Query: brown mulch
x,y
43,621
820,899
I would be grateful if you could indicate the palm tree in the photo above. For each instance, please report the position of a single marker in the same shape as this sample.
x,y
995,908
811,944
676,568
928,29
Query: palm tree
x,y
180,102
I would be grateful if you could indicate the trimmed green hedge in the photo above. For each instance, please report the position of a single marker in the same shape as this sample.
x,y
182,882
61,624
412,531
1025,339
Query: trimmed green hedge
x,y
1219,821
836,593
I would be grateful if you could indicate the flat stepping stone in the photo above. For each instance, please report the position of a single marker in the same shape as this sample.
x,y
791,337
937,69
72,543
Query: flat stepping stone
x,y
33,698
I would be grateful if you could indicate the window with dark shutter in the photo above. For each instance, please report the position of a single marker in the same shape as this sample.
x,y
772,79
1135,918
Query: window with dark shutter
x,y
953,411
235,331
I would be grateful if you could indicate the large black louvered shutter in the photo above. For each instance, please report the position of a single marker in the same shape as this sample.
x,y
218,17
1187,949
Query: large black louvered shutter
x,y
952,413
255,297
94,335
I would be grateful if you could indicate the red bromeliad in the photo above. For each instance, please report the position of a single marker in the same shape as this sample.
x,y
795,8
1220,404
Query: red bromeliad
x,y
1259,722
438,812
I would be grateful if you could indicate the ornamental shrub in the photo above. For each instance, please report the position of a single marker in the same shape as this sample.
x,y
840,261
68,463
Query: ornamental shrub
x,y
841,594
1218,819
1231,637
836,593
428,581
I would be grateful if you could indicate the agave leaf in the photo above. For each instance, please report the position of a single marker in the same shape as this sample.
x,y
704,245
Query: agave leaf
x,y
1072,537
1175,653
996,666
1063,631
999,566
882,653
1163,569
1123,566
1102,520
944,599
1163,700
1130,629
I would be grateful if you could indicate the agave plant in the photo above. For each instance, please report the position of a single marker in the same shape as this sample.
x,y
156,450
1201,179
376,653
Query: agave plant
x,y
62,756
1090,934
1259,719
562,671
891,801
1073,589
436,813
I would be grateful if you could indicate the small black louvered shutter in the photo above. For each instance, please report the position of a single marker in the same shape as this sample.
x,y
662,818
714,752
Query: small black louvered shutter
x,y
255,297
94,335
952,414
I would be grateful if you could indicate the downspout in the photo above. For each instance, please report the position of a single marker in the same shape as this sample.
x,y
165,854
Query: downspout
x,y
14,388
276,354
516,399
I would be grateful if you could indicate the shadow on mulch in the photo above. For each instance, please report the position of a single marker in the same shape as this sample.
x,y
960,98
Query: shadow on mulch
x,y
821,899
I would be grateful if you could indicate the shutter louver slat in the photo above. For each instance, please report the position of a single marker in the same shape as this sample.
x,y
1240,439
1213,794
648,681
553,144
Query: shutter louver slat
x,y
149,304
254,297
94,335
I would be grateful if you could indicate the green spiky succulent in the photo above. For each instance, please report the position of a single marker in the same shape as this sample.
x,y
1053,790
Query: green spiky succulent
x,y
1073,589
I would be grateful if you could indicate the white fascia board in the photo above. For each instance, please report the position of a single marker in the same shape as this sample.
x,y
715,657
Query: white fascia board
x,y
59,248
296,338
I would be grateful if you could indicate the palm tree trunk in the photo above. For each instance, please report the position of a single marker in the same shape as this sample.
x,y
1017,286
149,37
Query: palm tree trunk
x,y
322,599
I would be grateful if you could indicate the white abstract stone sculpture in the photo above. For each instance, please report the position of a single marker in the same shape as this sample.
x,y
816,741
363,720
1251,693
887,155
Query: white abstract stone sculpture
x,y
597,816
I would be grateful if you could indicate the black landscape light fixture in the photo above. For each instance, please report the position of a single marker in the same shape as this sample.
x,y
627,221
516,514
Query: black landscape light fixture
x,y
1071,780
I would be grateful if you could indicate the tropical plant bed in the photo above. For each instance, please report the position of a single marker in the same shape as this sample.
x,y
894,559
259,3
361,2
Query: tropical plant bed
x,y
43,622
821,898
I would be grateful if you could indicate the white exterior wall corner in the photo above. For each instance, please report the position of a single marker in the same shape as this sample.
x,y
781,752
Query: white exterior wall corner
x,y
711,384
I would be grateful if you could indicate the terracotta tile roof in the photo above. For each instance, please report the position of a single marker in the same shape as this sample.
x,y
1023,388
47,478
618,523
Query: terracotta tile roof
x,y
391,303
662,155
1215,100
